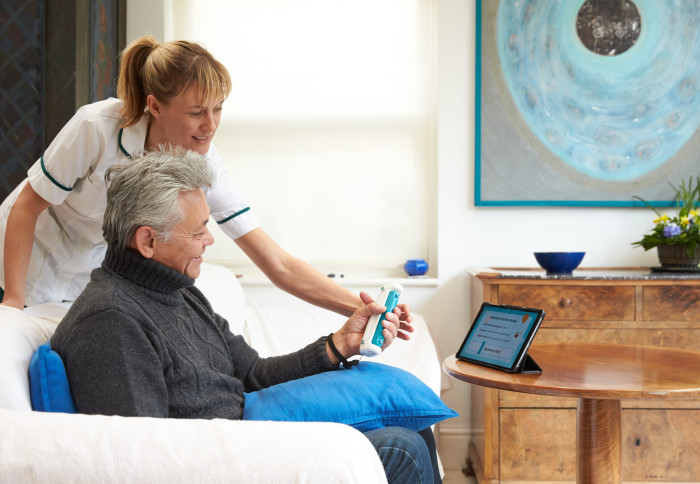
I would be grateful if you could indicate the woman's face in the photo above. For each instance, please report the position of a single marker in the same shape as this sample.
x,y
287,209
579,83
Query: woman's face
x,y
184,121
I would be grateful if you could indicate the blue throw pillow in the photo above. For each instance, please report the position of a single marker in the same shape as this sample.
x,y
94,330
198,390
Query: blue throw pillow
x,y
368,396
48,382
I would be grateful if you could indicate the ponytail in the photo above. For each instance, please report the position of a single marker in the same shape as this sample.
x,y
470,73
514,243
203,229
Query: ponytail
x,y
130,88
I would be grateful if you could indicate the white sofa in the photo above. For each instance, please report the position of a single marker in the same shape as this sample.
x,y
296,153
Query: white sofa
x,y
52,447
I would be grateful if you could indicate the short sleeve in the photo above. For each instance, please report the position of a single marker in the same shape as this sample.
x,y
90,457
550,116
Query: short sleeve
x,y
69,157
228,207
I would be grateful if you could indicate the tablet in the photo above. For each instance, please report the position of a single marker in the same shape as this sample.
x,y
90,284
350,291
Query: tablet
x,y
500,337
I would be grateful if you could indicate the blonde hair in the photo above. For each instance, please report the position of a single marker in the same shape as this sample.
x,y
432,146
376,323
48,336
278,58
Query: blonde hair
x,y
166,71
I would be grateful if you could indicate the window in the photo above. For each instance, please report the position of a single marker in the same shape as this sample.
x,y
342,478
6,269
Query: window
x,y
328,130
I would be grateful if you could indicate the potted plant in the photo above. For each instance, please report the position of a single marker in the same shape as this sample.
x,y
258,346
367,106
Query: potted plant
x,y
677,237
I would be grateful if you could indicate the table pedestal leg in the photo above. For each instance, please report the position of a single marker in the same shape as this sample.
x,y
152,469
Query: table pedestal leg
x,y
598,441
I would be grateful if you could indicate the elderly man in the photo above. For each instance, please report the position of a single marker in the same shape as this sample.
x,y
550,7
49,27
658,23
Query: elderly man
x,y
141,340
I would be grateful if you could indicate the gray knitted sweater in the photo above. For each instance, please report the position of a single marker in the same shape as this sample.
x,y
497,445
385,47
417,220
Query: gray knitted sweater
x,y
141,340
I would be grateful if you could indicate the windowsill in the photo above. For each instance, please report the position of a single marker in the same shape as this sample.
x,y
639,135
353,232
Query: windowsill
x,y
351,281
365,276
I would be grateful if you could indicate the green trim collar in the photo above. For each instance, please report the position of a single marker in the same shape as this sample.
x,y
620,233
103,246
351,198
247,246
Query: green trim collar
x,y
119,142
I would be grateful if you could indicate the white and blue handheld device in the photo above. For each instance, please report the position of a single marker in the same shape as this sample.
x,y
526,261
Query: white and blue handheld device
x,y
373,339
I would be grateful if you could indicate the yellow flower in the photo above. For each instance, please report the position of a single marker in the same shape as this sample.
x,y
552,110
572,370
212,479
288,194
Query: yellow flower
x,y
662,219
685,221
694,213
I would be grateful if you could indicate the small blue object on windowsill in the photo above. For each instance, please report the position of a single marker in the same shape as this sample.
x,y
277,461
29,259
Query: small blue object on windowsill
x,y
415,267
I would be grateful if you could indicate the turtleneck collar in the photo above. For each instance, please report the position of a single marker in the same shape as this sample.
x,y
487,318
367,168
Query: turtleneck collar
x,y
144,272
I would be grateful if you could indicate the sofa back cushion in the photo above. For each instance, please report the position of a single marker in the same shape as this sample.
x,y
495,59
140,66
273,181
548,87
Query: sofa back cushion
x,y
223,290
20,335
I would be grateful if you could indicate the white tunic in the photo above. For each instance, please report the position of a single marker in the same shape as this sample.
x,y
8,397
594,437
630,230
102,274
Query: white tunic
x,y
68,241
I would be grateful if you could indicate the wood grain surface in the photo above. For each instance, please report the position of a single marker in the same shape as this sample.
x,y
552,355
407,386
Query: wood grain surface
x,y
592,370
599,376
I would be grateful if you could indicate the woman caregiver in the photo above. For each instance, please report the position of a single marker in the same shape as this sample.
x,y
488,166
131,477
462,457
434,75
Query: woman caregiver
x,y
169,94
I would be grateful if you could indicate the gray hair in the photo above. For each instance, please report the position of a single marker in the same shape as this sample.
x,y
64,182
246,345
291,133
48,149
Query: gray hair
x,y
146,191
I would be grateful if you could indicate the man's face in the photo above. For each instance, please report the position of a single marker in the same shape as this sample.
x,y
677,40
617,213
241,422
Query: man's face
x,y
190,237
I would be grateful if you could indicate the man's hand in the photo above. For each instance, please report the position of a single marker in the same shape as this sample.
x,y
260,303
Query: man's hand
x,y
405,320
348,338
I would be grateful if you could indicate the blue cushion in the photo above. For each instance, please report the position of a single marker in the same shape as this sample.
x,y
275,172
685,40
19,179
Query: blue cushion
x,y
368,396
48,382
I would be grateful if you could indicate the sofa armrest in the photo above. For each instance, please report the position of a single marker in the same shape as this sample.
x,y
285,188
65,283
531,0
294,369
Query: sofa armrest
x,y
50,447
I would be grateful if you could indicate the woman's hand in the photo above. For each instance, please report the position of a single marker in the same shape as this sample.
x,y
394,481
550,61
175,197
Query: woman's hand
x,y
405,320
12,303
19,239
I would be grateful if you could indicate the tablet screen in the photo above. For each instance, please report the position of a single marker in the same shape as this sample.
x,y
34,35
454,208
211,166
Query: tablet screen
x,y
500,336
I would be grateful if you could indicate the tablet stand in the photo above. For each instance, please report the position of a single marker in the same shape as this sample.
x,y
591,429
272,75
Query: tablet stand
x,y
529,365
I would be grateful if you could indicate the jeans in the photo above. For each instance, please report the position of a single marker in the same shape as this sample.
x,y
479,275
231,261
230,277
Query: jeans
x,y
407,456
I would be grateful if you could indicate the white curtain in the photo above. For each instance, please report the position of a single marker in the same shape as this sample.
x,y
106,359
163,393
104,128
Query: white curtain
x,y
328,130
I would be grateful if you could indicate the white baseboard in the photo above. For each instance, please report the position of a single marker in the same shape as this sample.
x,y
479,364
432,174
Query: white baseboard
x,y
453,445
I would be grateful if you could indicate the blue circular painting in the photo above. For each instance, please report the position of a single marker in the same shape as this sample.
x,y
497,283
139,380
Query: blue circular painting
x,y
610,90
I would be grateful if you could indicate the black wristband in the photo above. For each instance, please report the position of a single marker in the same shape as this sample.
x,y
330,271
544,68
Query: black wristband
x,y
343,360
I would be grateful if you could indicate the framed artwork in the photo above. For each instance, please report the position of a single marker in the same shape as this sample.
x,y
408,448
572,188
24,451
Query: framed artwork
x,y
585,102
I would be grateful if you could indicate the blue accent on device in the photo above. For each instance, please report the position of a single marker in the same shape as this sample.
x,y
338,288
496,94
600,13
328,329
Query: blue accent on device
x,y
372,339
391,301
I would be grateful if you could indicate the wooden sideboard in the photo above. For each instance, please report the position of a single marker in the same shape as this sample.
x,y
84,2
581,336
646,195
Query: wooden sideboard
x,y
532,439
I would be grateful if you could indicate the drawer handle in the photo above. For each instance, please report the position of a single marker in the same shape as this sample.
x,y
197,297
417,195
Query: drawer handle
x,y
565,303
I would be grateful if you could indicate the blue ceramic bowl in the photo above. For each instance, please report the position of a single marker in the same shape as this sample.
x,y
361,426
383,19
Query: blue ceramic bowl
x,y
415,267
559,263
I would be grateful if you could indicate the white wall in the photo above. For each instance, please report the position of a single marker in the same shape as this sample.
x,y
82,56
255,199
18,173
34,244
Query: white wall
x,y
480,237
491,236
494,236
